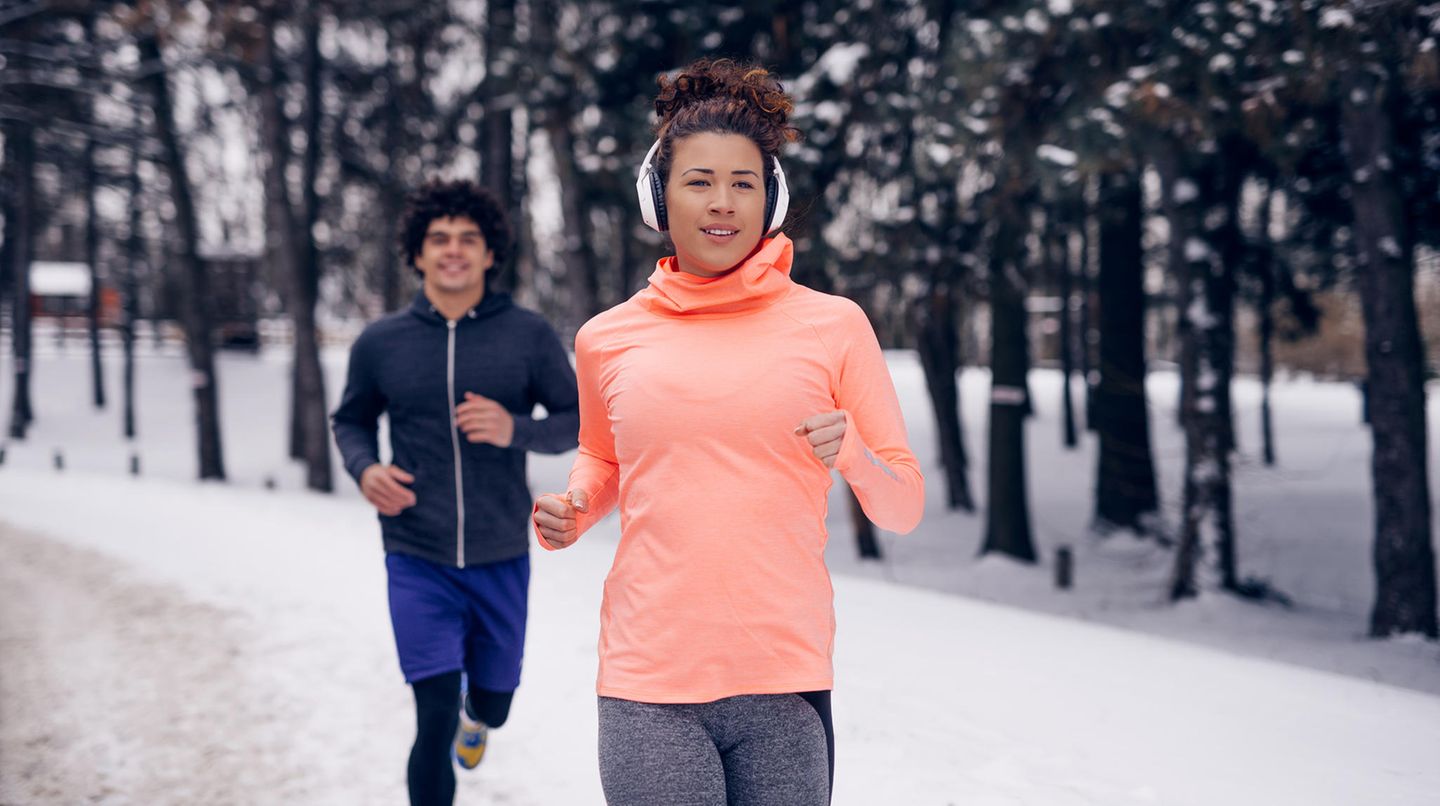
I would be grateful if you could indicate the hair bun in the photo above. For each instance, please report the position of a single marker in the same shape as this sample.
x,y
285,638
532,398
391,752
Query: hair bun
x,y
725,81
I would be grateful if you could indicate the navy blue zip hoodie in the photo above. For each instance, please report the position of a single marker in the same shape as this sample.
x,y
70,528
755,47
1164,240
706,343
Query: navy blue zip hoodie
x,y
472,502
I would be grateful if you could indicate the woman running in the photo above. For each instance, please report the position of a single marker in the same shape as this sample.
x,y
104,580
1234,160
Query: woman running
x,y
713,405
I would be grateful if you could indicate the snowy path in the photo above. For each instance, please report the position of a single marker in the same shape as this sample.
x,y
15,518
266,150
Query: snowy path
x,y
124,691
133,624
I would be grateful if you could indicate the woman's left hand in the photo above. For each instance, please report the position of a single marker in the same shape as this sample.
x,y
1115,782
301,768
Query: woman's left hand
x,y
824,433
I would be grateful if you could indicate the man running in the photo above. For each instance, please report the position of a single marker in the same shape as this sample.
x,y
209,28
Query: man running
x,y
458,375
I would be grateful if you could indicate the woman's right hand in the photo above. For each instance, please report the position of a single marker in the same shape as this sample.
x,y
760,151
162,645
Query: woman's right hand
x,y
555,517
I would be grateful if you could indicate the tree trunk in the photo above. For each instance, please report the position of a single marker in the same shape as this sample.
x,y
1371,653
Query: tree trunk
x,y
408,77
131,306
296,442
1228,240
581,271
1059,257
20,243
497,164
309,389
940,360
197,292
1007,523
865,540
1087,328
1125,493
572,298
632,270
1405,596
525,260
1265,268
1205,559
281,233
292,244
392,272
92,257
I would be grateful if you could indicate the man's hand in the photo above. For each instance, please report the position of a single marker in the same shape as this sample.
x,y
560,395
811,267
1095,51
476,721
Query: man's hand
x,y
384,486
824,432
555,517
483,420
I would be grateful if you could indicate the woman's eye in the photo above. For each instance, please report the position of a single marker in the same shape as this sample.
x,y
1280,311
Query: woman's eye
x,y
699,183
745,185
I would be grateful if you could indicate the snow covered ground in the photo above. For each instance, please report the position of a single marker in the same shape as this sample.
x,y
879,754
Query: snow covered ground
x,y
164,641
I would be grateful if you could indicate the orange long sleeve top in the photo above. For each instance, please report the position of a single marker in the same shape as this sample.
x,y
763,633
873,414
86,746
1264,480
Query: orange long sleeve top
x,y
690,392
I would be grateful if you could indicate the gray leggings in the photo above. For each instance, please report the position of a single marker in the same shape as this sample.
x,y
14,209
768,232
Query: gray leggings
x,y
750,750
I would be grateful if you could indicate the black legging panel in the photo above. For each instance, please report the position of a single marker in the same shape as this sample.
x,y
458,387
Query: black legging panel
x,y
490,707
820,701
430,776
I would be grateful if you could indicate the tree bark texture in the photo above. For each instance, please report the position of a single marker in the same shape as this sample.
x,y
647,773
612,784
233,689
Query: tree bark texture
x,y
20,249
197,319
1059,256
92,258
1265,269
311,410
131,310
940,359
1125,489
1405,596
1205,559
1007,522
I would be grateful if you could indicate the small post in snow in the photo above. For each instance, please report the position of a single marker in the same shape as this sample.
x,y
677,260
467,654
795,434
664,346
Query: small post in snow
x,y
59,461
1064,568
134,464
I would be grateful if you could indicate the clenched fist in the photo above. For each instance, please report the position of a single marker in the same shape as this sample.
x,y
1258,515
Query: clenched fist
x,y
555,517
823,432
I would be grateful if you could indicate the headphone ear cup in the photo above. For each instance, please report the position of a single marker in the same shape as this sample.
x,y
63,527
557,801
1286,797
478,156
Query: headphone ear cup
x,y
657,193
650,192
777,197
772,192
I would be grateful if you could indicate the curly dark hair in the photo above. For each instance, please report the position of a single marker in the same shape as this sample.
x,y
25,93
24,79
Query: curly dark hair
x,y
725,96
459,199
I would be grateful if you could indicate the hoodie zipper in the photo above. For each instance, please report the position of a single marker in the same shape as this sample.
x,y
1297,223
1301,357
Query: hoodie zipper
x,y
455,444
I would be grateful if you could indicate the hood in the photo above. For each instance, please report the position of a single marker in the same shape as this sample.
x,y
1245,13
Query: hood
x,y
492,303
757,283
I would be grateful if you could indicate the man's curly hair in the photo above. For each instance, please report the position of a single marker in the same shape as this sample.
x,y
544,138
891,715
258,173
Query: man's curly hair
x,y
458,199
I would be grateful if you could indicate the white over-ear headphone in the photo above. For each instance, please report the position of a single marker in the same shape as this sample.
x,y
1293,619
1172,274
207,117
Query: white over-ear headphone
x,y
650,188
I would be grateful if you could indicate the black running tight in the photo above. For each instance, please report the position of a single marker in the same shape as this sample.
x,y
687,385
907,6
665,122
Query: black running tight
x,y
430,775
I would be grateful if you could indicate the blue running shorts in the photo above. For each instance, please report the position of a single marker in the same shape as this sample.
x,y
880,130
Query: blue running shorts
x,y
453,619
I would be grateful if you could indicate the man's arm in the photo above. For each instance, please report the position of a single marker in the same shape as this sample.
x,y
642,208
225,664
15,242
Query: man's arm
x,y
356,420
552,381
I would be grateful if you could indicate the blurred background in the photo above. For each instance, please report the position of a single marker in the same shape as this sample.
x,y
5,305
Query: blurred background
x,y
1093,188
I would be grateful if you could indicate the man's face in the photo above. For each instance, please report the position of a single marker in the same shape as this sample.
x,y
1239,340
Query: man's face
x,y
454,257
715,202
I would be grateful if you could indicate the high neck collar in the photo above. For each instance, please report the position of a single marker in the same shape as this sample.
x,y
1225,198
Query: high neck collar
x,y
759,282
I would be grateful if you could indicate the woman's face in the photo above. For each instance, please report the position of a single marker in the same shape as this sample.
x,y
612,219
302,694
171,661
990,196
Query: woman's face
x,y
715,202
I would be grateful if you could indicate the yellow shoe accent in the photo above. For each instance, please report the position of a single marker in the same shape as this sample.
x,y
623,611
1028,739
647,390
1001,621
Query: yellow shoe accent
x,y
470,742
